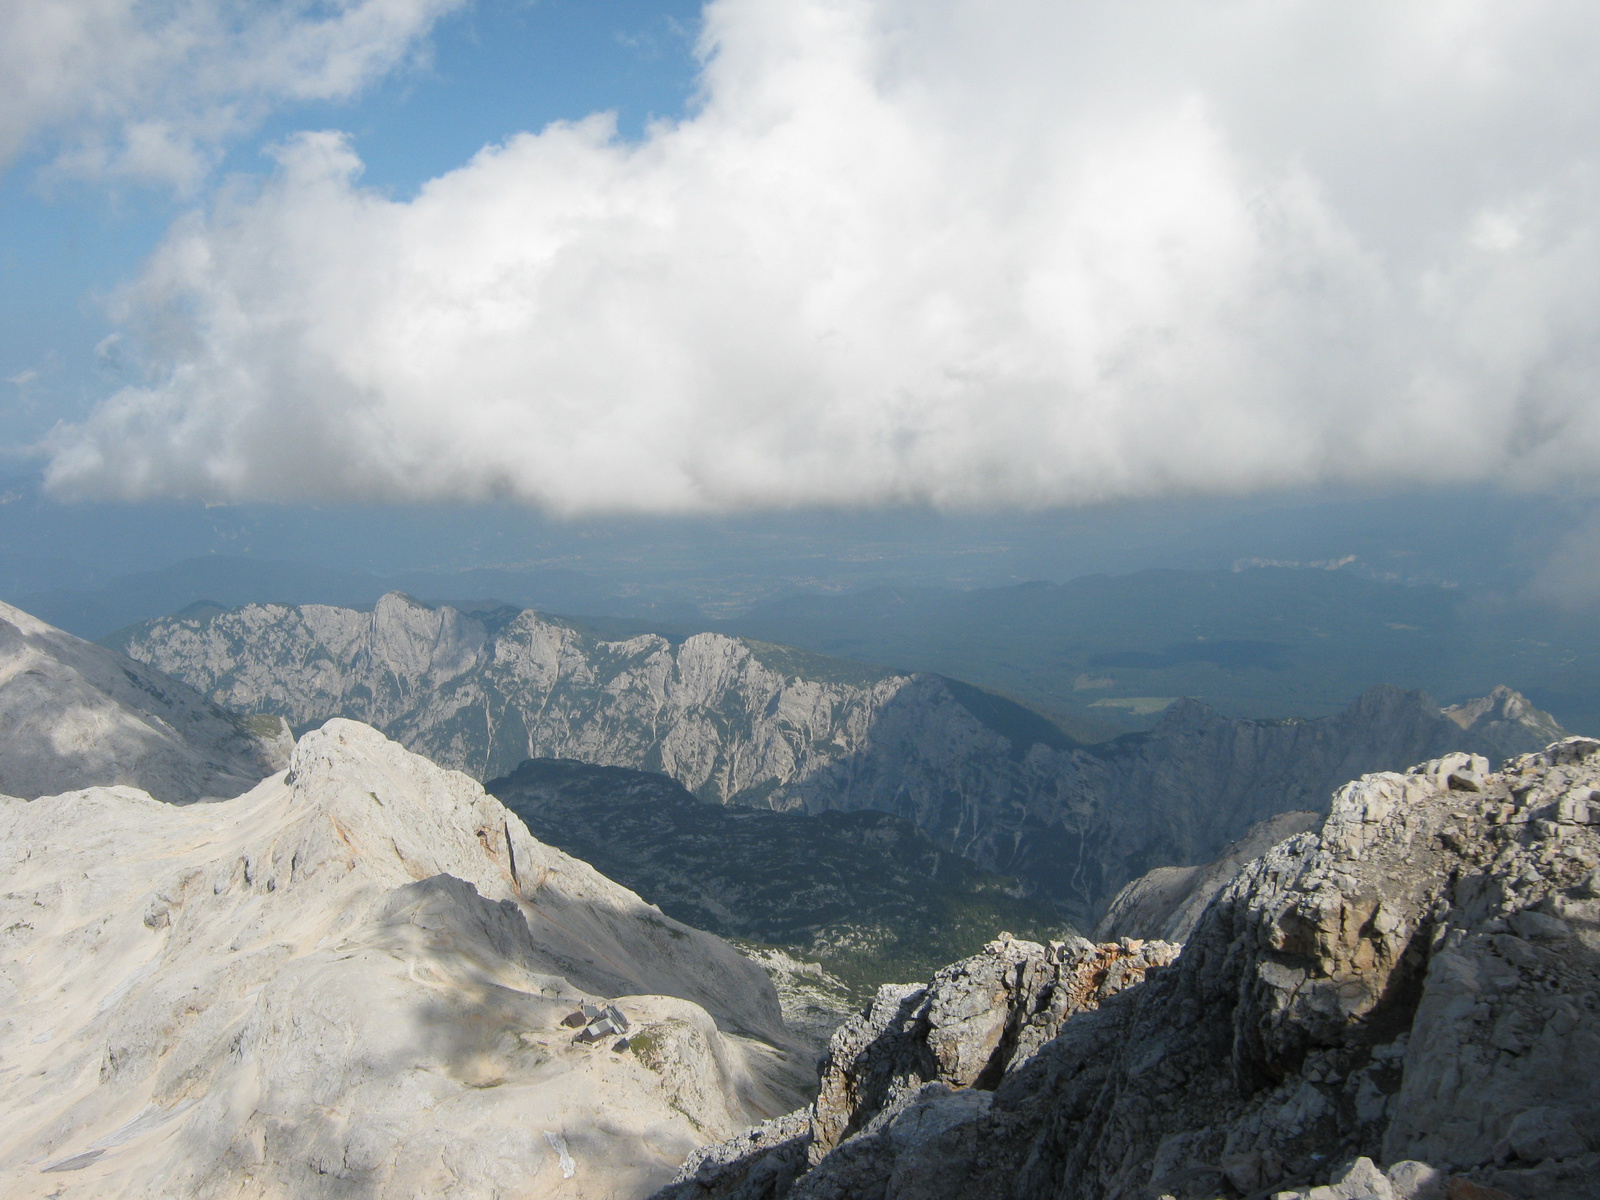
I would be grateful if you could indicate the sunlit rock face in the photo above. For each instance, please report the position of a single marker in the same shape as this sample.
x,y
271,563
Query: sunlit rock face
x,y
1167,903
351,981
742,722
74,715
1402,1004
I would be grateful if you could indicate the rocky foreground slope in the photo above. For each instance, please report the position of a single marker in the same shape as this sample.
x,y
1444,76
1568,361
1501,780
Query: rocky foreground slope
x,y
1166,902
73,714
351,982
741,722
1403,1005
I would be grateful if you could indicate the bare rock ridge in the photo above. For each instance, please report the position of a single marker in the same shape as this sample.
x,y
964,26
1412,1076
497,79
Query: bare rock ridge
x,y
944,1044
1404,1005
73,714
741,722
1505,717
350,982
1166,903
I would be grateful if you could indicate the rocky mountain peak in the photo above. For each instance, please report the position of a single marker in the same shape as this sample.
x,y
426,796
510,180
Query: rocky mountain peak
x,y
352,980
1503,716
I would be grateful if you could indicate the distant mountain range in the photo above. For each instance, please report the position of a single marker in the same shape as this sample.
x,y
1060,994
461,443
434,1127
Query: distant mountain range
x,y
228,581
1108,650
746,722
1102,654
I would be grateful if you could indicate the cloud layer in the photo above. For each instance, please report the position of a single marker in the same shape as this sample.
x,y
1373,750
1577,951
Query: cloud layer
x,y
151,90
922,251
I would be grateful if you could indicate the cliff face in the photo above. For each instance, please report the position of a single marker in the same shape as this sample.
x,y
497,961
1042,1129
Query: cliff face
x,y
74,715
351,981
1404,1005
481,696
742,722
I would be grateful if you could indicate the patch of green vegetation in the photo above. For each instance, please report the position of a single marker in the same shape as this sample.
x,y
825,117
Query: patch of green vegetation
x,y
865,893
672,931
262,725
646,1046
864,957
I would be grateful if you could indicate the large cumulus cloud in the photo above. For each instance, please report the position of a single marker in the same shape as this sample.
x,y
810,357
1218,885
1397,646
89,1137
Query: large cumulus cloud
x,y
922,250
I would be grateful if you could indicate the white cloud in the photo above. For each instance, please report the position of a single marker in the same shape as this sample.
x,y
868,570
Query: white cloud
x,y
932,251
151,89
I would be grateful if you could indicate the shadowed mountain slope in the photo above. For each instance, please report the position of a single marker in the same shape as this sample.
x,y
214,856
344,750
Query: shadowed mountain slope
x,y
75,715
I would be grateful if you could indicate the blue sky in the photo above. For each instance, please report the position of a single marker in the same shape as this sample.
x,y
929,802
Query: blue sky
x,y
492,70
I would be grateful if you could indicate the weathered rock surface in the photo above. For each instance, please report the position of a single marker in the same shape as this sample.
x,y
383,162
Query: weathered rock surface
x,y
75,715
1417,984
742,722
1166,903
919,1060
350,981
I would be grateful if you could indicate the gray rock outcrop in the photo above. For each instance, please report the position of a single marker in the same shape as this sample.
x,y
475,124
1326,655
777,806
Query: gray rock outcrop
x,y
741,722
1405,1003
351,981
917,1049
76,715
1166,903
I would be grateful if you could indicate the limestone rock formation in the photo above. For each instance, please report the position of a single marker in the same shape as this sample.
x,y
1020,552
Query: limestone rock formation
x,y
75,715
1166,903
915,1048
741,722
351,981
1404,1004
